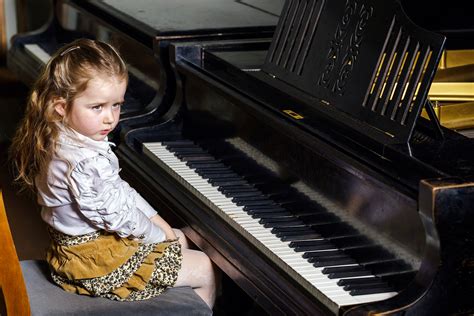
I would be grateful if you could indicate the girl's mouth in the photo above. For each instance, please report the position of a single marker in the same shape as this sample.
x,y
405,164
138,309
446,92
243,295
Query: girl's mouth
x,y
105,132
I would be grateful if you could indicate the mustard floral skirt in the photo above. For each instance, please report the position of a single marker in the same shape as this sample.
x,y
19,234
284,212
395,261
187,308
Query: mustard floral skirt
x,y
105,265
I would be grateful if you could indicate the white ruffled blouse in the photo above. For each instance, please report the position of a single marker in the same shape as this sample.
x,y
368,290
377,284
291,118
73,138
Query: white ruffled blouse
x,y
82,192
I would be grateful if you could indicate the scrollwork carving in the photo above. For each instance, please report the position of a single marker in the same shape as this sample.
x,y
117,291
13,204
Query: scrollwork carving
x,y
352,49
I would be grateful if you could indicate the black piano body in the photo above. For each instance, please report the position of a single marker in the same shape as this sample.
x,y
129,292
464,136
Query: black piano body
x,y
142,31
322,121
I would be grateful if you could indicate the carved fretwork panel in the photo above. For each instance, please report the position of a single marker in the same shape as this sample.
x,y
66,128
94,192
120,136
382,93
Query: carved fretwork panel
x,y
342,54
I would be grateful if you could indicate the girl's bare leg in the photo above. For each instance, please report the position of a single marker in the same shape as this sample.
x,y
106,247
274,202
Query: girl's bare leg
x,y
197,271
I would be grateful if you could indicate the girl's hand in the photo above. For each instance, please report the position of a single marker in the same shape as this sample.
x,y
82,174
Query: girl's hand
x,y
160,222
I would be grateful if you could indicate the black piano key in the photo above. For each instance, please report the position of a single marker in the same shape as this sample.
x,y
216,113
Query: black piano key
x,y
227,176
259,211
219,175
183,155
280,222
177,143
200,158
327,257
183,148
231,176
212,169
261,208
194,157
311,245
238,188
186,149
397,281
190,153
245,196
332,261
363,286
327,243
212,174
351,271
250,203
371,290
226,183
236,194
276,230
344,272
324,253
298,236
275,220
205,164
284,224
367,280
256,196
274,214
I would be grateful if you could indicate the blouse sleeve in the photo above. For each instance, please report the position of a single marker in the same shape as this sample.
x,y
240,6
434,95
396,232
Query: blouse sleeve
x,y
110,203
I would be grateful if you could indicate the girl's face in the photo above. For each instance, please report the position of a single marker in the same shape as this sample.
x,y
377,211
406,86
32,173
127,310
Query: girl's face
x,y
96,111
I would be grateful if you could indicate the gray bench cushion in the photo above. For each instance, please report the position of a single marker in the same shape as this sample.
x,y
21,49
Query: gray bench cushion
x,y
48,299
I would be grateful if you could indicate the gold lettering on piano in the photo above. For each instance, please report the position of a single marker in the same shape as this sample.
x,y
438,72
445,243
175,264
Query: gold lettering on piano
x,y
293,114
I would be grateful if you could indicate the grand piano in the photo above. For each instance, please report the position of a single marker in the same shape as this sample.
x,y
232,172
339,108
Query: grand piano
x,y
302,166
296,157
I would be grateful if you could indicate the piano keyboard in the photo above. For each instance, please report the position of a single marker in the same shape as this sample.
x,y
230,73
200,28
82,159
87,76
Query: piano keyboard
x,y
343,282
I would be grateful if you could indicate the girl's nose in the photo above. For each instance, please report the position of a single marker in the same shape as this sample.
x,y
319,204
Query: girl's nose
x,y
109,116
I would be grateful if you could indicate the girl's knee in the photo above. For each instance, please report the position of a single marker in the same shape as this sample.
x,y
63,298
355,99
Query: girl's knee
x,y
208,268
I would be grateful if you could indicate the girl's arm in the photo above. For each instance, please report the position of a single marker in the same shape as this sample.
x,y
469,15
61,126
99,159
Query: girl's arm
x,y
165,227
109,203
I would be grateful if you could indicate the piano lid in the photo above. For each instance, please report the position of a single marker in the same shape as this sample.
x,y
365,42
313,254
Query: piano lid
x,y
163,18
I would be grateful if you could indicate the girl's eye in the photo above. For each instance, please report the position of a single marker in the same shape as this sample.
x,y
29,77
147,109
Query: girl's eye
x,y
97,107
117,105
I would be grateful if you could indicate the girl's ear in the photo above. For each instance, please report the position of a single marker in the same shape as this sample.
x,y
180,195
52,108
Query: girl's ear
x,y
59,105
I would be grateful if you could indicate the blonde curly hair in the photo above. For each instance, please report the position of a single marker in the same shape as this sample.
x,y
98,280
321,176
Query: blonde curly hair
x,y
65,76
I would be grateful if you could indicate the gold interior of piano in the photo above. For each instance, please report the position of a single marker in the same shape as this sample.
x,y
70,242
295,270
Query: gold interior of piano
x,y
452,91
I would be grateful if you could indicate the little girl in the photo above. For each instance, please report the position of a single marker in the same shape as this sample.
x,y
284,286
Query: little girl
x,y
106,239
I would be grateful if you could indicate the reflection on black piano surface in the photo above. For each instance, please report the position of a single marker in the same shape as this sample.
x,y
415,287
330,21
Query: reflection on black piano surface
x,y
301,164
142,32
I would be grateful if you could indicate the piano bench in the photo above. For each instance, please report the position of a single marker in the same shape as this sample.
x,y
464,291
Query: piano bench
x,y
46,298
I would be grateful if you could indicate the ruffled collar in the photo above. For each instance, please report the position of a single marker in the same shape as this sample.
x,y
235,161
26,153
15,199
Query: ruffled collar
x,y
68,136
